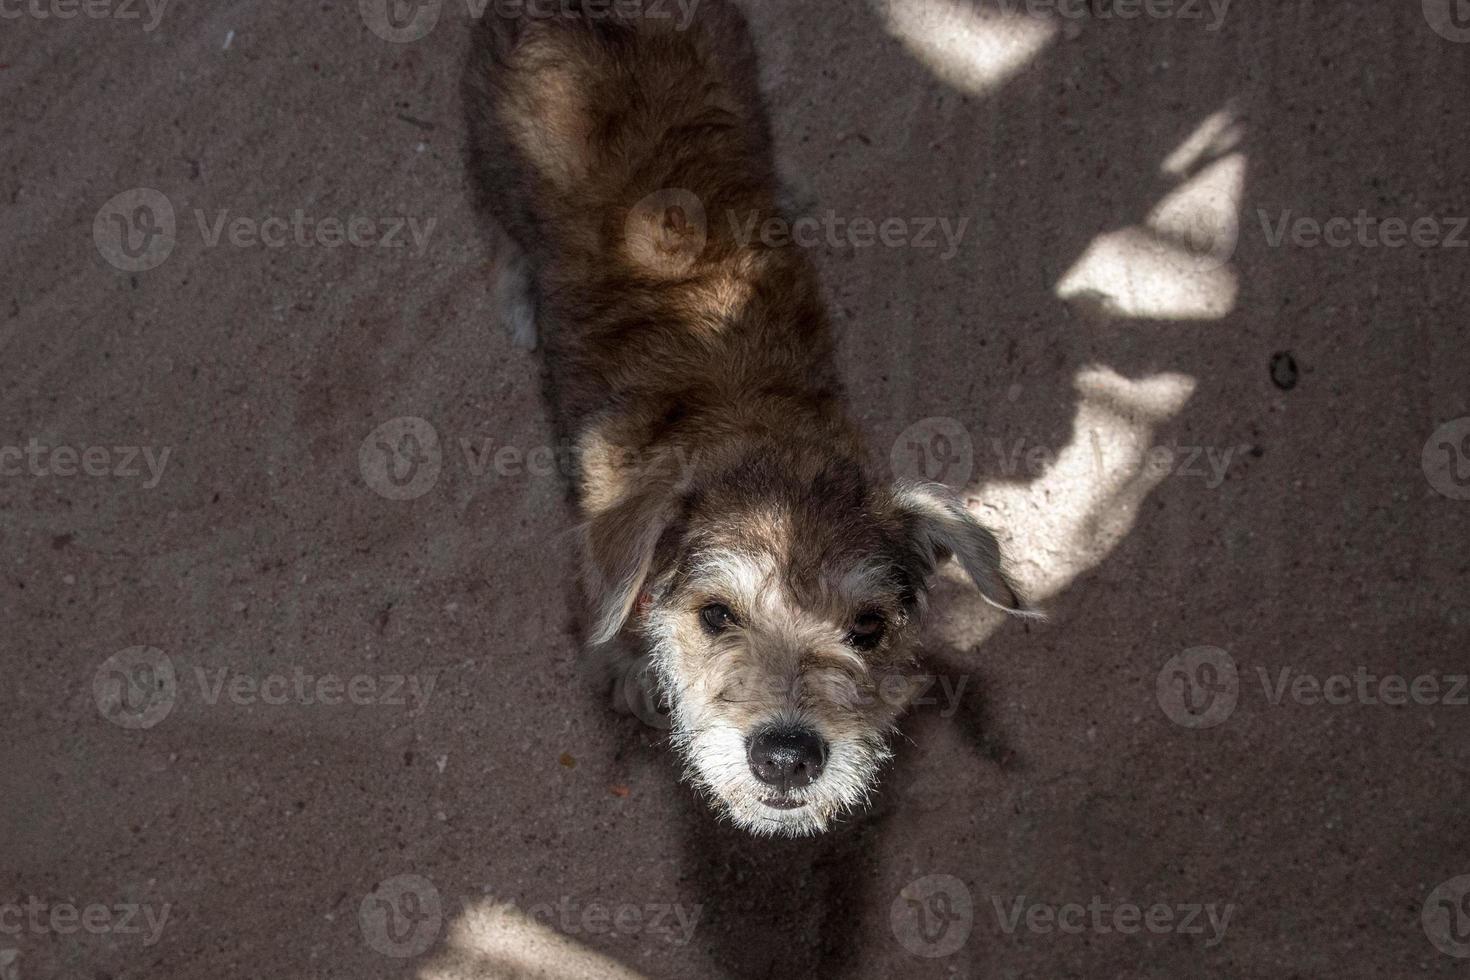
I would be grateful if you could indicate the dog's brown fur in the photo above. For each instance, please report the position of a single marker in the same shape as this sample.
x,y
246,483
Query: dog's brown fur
x,y
696,374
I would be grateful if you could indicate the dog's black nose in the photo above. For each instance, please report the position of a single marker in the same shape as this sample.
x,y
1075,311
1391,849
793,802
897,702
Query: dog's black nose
x,y
787,758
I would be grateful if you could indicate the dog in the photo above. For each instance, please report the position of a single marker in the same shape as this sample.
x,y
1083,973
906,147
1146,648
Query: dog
x,y
745,564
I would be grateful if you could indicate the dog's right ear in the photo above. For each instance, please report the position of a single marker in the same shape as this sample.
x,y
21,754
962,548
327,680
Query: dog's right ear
x,y
618,551
942,529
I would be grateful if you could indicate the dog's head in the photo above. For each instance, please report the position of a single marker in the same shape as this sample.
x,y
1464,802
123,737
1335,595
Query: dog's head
x,y
779,601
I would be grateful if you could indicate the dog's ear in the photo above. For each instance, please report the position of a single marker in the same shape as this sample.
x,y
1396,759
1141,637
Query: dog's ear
x,y
618,551
940,528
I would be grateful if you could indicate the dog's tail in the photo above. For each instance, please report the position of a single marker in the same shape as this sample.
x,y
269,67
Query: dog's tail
x,y
596,134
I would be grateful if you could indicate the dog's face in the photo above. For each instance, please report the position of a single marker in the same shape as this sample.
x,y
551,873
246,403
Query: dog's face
x,y
781,617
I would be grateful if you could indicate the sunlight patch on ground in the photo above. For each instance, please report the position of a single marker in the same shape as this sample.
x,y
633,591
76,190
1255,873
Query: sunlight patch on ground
x,y
1217,135
495,941
974,50
1176,266
1066,522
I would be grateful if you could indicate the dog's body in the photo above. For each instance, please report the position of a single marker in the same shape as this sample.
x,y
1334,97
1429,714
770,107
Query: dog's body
x,y
734,533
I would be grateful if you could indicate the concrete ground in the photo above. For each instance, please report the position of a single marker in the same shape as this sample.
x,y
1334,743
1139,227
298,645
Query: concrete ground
x,y
1222,448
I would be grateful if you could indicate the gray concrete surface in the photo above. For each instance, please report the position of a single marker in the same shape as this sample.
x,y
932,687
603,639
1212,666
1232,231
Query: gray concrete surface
x,y
263,833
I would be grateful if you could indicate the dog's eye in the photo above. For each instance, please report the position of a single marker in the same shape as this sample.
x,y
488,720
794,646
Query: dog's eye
x,y
867,631
716,617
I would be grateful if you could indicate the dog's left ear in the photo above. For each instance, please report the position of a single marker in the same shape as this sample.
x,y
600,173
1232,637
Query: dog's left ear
x,y
618,551
941,528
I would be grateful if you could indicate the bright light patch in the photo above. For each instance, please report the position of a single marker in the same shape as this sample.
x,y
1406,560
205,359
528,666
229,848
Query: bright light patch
x,y
498,940
972,49
1176,265
1068,520
1217,135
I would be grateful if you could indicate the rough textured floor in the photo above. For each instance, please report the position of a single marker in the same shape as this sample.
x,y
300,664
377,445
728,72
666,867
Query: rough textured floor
x,y
1082,776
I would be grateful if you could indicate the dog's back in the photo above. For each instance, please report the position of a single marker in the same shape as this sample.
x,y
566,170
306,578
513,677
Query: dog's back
x,y
625,156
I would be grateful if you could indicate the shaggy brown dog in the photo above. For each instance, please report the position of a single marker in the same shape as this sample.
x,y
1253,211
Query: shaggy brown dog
x,y
738,547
